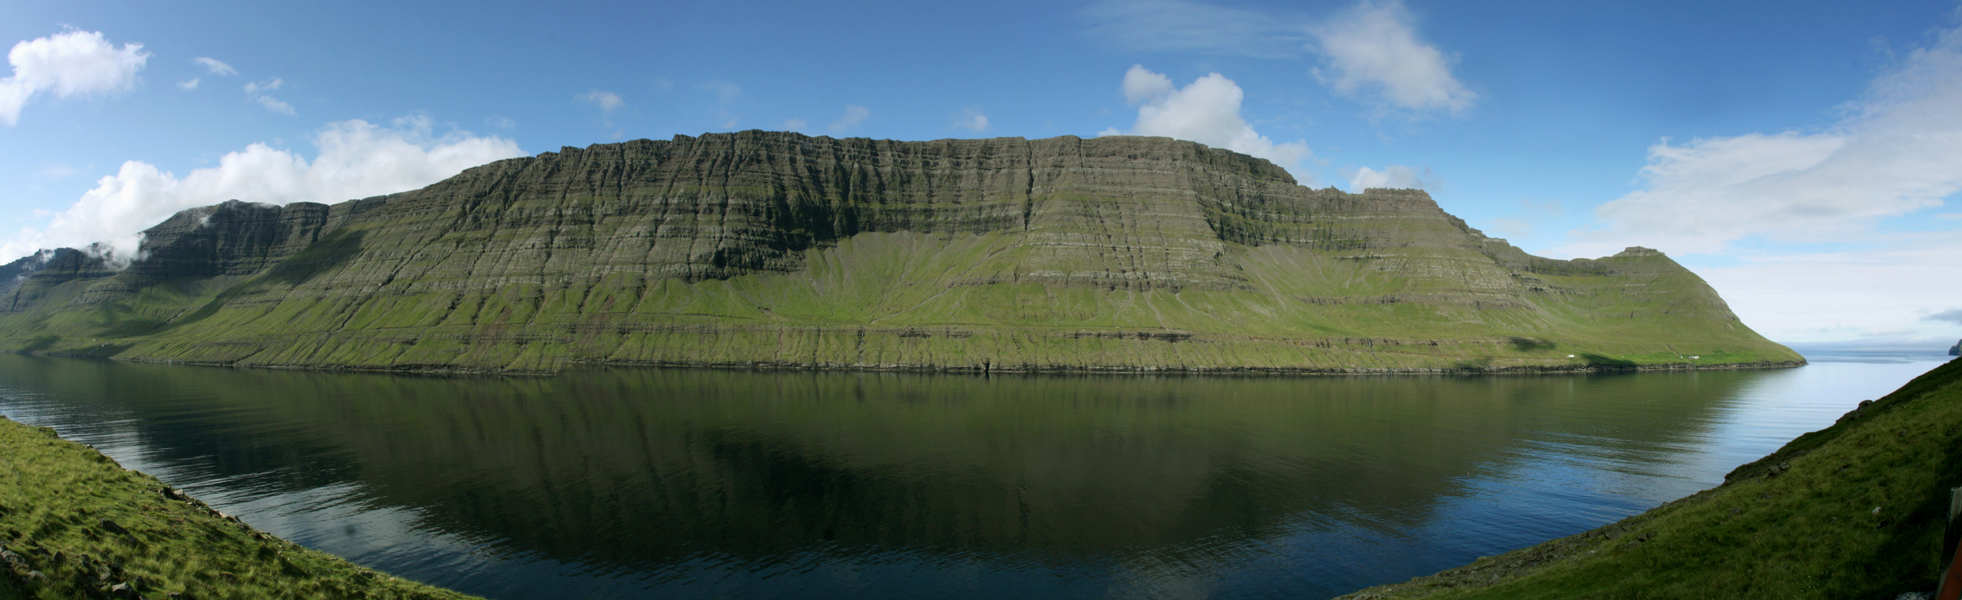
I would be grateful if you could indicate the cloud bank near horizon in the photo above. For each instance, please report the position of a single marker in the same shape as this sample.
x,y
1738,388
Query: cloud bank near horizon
x,y
355,159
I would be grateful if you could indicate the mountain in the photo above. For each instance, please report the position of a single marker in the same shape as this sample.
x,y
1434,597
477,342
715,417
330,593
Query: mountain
x,y
781,250
1955,350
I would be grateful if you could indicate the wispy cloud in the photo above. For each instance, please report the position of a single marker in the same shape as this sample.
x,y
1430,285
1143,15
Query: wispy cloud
x,y
355,159
1206,111
795,124
214,66
1953,315
608,102
605,100
258,92
1371,52
1172,25
1898,151
854,115
1394,177
971,119
75,63
56,171
188,84
724,91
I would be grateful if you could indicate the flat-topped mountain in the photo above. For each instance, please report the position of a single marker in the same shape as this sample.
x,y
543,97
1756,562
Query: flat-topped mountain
x,y
777,249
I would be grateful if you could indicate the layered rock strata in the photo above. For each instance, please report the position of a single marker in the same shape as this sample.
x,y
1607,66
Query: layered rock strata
x,y
776,249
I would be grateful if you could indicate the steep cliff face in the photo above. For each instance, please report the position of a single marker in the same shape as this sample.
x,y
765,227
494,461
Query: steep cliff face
x,y
758,248
14,273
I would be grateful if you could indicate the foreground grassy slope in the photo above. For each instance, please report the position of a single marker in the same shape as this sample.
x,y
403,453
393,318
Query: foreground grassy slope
x,y
1856,510
761,249
73,524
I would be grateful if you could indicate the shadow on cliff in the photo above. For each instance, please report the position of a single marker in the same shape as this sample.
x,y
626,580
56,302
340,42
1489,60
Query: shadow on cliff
x,y
1523,344
323,256
1604,361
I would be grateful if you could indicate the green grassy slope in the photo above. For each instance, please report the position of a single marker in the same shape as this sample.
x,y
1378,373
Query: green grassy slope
x,y
884,301
1856,510
73,524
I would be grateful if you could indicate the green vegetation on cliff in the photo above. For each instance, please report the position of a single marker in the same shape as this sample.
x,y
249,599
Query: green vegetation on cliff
x,y
73,524
776,249
1855,510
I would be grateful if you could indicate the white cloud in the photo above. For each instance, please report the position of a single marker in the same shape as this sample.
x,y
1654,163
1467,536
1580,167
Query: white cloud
x,y
356,159
1394,176
971,119
188,85
275,105
256,92
1953,315
854,114
1140,85
76,63
1900,151
215,66
794,124
1373,50
1206,111
606,101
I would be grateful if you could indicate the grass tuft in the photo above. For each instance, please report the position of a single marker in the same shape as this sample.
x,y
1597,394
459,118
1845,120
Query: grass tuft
x,y
74,524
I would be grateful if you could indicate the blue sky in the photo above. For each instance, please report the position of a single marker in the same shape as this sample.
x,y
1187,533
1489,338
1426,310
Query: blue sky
x,y
1802,156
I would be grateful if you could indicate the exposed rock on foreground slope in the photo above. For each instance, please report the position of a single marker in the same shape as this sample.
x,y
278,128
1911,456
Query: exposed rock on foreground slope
x,y
776,249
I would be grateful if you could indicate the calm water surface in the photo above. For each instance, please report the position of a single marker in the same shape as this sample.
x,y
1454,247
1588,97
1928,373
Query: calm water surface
x,y
727,484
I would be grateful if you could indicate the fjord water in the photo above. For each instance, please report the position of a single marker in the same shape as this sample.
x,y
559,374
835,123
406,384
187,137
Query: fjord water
x,y
702,483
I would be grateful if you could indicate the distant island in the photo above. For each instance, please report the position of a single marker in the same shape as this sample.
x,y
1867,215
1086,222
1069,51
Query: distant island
x,y
1955,350
764,249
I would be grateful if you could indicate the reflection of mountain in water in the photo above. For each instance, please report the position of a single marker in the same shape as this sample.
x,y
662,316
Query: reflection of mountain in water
x,y
631,467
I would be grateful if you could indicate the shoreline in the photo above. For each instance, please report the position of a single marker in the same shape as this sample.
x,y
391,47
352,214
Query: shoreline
x,y
1525,370
1799,514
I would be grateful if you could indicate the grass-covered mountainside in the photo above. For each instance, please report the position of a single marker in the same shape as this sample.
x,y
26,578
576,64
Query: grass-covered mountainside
x,y
73,524
776,249
1856,510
